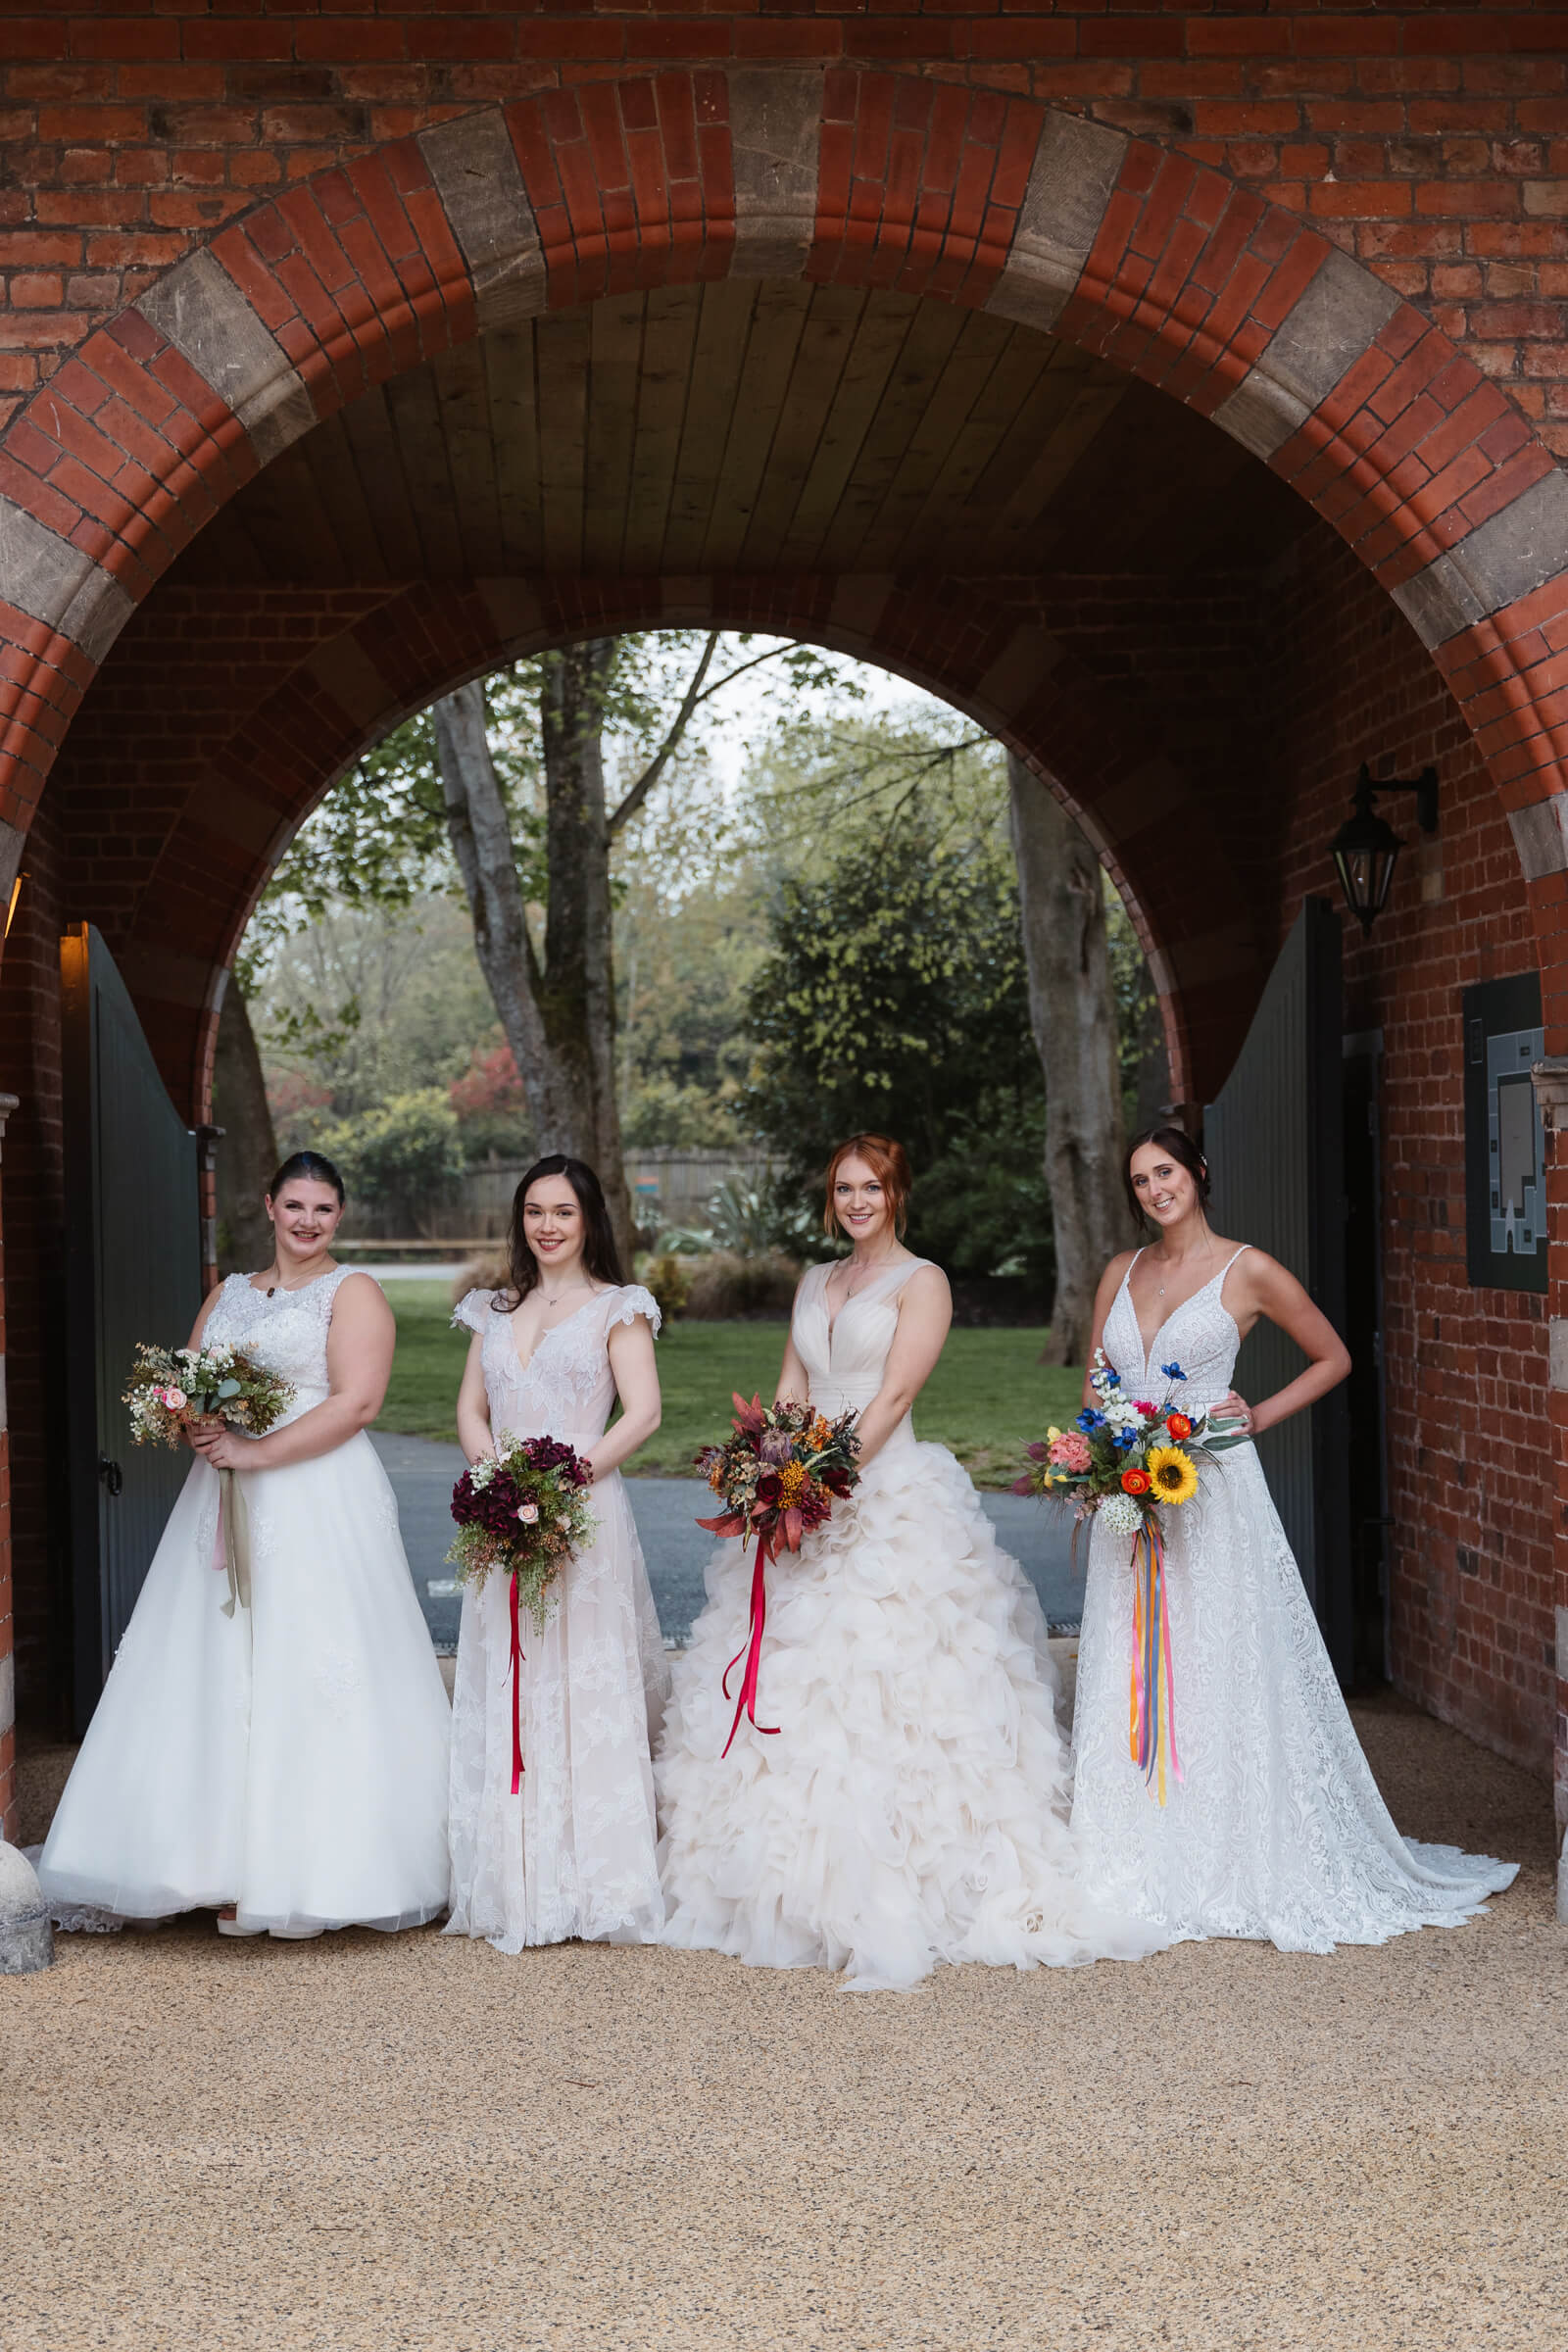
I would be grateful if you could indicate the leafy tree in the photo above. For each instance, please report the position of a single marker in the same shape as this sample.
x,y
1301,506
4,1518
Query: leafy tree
x,y
398,1156
893,997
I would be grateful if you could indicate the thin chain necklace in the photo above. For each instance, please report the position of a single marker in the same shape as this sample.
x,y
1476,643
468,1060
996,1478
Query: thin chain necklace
x,y
273,1288
582,1283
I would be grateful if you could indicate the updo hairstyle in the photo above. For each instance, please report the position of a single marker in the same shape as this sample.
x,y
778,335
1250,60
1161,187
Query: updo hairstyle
x,y
310,1167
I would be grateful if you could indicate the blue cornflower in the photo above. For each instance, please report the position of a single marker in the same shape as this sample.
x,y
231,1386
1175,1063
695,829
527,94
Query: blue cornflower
x,y
1126,1438
1089,1421
1173,1371
1113,1380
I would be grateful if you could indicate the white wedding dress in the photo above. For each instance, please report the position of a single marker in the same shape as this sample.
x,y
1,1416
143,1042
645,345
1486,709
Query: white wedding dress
x,y
292,1758
911,1808
1277,1830
574,1853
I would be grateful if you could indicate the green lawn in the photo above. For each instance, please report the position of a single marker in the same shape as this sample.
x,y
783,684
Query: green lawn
x,y
987,1397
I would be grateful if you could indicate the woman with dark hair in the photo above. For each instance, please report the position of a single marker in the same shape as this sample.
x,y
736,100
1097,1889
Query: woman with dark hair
x,y
912,1807
572,1853
1275,1829
283,1762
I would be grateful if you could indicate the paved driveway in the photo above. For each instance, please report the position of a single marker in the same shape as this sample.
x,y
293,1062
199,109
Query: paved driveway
x,y
675,1548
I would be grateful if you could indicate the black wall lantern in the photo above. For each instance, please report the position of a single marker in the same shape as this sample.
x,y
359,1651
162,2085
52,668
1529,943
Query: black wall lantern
x,y
1366,849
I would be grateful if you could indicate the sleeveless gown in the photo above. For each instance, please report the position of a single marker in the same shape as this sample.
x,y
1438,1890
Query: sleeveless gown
x,y
911,1808
290,1759
1277,1831
574,1853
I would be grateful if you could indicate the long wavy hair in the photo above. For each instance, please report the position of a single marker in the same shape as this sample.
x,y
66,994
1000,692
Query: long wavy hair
x,y
600,1258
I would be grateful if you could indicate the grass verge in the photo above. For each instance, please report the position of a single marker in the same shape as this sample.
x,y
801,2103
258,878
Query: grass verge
x,y
987,1397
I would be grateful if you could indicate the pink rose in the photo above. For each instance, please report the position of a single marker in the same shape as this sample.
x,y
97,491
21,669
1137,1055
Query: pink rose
x,y
1070,1451
528,1513
175,1399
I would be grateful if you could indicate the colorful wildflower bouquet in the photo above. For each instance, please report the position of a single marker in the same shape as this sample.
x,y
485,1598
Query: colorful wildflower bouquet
x,y
777,1478
171,1389
522,1510
1123,1461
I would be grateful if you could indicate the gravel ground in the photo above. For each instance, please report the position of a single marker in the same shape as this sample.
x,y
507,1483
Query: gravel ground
x,y
416,2142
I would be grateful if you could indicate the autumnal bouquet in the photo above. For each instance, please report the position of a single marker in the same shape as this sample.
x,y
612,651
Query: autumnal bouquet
x,y
524,1510
171,1389
1123,1459
777,1478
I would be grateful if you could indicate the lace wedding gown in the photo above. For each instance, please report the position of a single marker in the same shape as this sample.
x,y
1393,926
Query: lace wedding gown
x,y
911,1808
1277,1830
292,1758
573,1852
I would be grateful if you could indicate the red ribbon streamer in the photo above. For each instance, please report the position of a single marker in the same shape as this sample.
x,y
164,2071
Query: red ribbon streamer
x,y
516,1721
746,1704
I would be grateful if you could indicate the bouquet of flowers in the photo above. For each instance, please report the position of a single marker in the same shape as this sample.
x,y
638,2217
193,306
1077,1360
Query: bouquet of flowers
x,y
777,1478
171,1389
1123,1460
522,1510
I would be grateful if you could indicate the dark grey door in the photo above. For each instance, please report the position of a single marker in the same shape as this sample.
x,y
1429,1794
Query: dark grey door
x,y
132,1272
1275,1146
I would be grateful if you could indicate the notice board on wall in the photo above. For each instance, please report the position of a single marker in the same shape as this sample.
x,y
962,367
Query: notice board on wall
x,y
1504,1136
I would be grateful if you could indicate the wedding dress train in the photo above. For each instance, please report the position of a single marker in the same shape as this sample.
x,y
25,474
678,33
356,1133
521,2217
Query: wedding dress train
x,y
1276,1828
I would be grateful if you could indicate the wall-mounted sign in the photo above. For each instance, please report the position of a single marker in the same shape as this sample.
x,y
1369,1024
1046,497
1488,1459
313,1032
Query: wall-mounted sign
x,y
1504,1136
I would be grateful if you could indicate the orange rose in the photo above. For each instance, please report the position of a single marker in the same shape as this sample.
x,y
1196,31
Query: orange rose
x,y
1178,1425
1134,1482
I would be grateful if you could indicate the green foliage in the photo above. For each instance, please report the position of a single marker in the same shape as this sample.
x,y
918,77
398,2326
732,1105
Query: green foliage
x,y
399,1154
893,998
750,1220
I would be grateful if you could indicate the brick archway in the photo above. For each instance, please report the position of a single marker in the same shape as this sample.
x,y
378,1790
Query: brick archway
x,y
1228,304
188,885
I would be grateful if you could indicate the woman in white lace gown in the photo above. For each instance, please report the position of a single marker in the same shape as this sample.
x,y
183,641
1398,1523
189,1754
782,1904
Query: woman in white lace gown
x,y
912,1807
1276,1828
574,1853
287,1764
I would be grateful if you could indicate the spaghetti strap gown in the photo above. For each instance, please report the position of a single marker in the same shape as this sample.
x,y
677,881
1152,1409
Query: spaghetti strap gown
x,y
290,1759
913,1807
573,1854
1276,1830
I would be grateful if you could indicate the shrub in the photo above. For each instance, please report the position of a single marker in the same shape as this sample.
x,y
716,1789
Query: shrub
x,y
670,1281
399,1156
726,1288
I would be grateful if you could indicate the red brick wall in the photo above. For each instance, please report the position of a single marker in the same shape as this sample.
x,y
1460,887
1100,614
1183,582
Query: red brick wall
x,y
1469,1423
1431,143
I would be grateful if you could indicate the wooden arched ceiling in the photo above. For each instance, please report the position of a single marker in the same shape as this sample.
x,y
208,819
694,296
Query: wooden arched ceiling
x,y
746,426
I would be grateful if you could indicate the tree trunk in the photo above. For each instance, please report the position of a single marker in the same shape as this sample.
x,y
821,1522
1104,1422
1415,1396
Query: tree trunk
x,y
559,1016
246,1154
1073,1015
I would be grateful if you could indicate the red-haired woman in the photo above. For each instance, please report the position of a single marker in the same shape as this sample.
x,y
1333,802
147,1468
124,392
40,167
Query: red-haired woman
x,y
910,1808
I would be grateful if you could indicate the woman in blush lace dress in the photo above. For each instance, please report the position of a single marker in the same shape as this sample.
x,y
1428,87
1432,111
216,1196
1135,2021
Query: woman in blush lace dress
x,y
1275,1830
911,1808
573,1852
285,1765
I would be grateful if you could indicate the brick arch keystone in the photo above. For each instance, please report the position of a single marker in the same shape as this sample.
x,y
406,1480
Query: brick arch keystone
x,y
870,178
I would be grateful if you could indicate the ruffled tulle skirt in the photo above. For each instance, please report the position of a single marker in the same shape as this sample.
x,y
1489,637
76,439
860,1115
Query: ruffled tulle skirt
x,y
1276,1828
290,1759
911,1808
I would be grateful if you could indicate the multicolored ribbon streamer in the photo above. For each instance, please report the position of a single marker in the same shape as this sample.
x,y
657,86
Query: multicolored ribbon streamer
x,y
516,1694
1152,1698
746,1704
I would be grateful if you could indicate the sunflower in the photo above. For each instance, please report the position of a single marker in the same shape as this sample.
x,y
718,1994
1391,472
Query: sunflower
x,y
1172,1474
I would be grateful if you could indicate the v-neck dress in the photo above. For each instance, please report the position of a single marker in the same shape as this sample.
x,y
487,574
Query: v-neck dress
x,y
573,1852
1276,1830
911,1808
